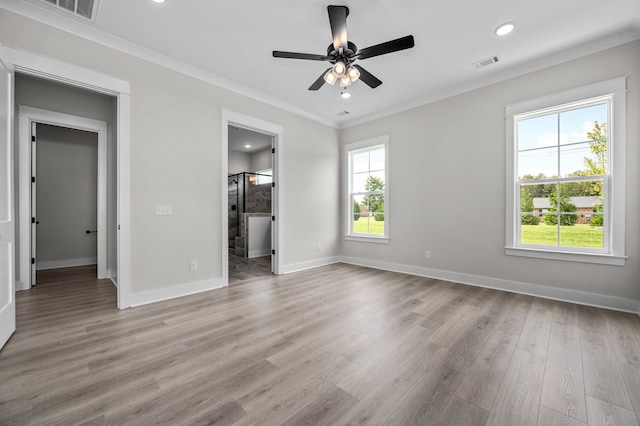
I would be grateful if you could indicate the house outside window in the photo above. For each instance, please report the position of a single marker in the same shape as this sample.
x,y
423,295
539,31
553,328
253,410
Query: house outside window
x,y
367,183
565,175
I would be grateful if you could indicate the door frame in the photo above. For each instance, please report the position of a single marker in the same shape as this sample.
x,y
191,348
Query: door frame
x,y
277,203
26,116
50,69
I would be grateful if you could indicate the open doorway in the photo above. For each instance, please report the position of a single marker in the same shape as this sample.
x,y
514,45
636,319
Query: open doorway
x,y
64,198
250,203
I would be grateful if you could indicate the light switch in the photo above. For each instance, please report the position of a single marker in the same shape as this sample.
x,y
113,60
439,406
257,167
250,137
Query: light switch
x,y
163,210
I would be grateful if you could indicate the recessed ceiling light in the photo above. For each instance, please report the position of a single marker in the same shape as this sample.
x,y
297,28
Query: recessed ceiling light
x,y
504,29
247,146
158,1
345,95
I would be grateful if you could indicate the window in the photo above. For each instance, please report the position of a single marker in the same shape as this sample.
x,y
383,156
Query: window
x,y
264,176
565,175
367,207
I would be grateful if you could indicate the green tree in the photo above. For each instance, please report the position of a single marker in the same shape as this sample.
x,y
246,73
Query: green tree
x,y
526,206
379,215
598,217
356,210
565,207
373,201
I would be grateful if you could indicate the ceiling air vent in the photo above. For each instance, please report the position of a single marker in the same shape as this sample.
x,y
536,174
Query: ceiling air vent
x,y
484,62
83,8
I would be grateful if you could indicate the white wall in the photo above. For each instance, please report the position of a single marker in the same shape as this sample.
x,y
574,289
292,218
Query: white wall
x,y
447,181
175,159
45,95
66,195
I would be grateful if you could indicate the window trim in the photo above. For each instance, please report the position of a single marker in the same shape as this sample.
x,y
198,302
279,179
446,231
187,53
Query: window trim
x,y
349,235
615,208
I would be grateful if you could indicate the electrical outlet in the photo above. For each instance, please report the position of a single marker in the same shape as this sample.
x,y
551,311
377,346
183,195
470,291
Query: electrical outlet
x,y
427,254
193,266
319,247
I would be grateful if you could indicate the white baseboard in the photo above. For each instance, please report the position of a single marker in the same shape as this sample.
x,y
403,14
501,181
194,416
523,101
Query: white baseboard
x,y
259,253
564,295
295,267
65,263
144,298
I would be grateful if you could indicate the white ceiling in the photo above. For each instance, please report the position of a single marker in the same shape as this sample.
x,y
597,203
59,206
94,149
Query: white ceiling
x,y
239,138
231,43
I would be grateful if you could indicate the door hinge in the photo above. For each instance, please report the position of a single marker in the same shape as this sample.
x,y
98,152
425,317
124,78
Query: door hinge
x,y
273,150
273,252
33,138
273,218
33,260
33,179
33,220
273,184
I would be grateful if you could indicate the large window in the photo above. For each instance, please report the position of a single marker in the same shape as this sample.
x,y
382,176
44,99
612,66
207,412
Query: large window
x,y
566,175
367,212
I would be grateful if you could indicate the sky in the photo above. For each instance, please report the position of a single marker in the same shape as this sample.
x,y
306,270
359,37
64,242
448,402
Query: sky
x,y
556,144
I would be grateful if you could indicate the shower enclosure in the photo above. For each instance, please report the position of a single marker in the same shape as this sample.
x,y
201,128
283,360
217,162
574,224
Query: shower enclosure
x,y
249,214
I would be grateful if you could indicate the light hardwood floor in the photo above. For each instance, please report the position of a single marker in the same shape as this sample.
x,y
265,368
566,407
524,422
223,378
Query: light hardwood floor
x,y
333,345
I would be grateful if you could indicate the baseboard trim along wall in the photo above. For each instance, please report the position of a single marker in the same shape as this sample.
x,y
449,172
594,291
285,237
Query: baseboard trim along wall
x,y
65,263
561,294
296,267
152,296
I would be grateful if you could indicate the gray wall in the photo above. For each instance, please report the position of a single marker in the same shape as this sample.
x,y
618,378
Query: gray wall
x,y
447,181
249,162
66,194
261,160
239,162
176,159
45,95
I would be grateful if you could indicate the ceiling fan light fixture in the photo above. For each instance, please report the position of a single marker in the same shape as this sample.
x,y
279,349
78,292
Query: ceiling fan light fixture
x,y
504,29
330,78
339,69
353,74
345,81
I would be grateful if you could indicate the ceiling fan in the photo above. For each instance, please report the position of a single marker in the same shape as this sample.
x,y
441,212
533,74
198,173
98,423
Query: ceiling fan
x,y
342,54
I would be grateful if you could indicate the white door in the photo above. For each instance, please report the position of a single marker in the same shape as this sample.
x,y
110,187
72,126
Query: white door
x,y
34,219
7,248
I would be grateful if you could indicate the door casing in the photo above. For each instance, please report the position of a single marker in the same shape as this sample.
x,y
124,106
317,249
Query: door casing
x,y
27,116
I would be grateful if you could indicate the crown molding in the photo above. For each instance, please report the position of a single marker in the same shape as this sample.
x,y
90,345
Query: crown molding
x,y
85,31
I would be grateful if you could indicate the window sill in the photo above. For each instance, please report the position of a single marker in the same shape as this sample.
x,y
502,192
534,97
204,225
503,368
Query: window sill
x,y
378,240
597,258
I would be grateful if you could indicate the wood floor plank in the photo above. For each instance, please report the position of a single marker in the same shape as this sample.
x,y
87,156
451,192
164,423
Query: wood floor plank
x,y
340,344
549,417
518,400
484,378
534,336
563,388
324,410
604,413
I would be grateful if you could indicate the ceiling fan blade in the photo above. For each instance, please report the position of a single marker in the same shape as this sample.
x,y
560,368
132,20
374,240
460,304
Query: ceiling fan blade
x,y
368,78
294,55
320,81
387,47
338,20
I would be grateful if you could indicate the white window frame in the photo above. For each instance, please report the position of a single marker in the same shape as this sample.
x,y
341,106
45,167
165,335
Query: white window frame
x,y
613,253
348,216
261,176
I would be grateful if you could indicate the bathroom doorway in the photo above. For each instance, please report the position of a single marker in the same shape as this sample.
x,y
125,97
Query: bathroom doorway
x,y
250,203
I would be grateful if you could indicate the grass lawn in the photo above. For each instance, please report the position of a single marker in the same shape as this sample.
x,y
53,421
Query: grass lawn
x,y
368,225
572,236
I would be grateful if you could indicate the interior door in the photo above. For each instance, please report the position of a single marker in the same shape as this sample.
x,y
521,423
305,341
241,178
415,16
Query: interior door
x,y
34,219
7,232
